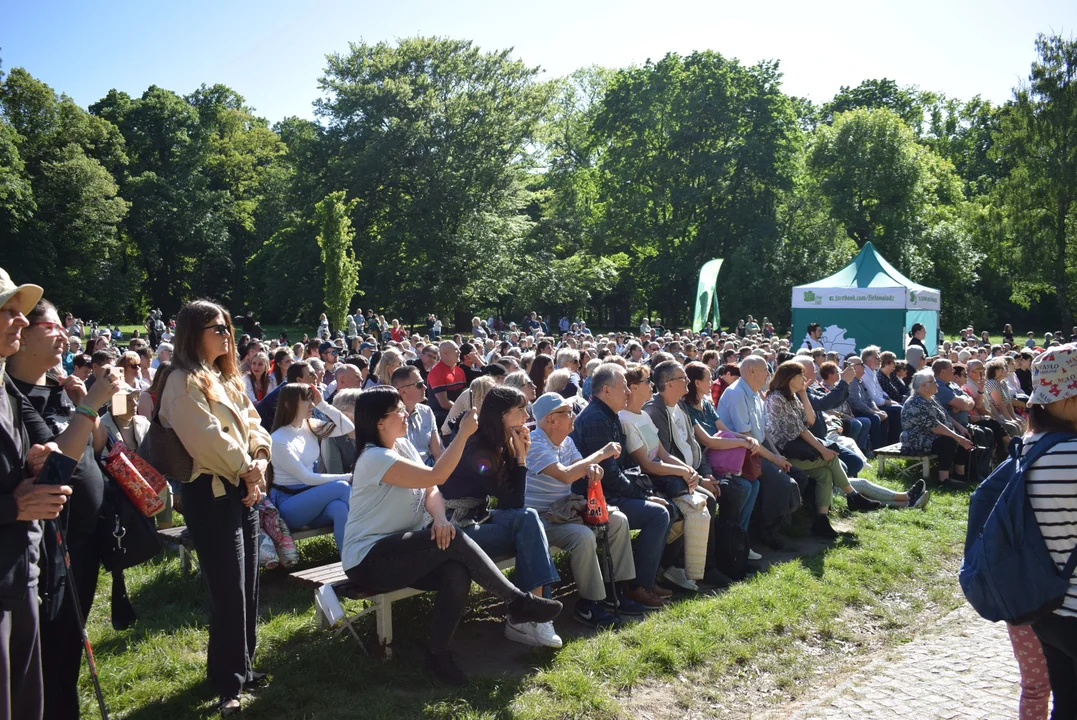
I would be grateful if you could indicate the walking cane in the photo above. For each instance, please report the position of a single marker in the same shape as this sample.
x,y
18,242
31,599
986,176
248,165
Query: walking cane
x,y
604,535
61,538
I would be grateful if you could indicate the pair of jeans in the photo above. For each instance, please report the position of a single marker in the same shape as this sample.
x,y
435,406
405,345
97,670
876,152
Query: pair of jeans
x,y
225,536
877,430
315,507
859,429
413,559
852,462
750,489
653,521
1058,636
518,532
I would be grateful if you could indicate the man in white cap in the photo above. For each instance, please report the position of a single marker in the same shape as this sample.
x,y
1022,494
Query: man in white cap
x,y
553,464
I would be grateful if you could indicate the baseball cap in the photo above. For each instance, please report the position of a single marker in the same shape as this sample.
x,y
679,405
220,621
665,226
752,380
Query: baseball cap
x,y
1054,375
547,403
28,294
466,348
365,346
326,346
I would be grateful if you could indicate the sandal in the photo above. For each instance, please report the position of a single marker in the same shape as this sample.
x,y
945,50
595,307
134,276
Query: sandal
x,y
229,706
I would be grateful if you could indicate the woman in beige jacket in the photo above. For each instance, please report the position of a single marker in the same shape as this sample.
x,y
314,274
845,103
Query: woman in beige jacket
x,y
204,402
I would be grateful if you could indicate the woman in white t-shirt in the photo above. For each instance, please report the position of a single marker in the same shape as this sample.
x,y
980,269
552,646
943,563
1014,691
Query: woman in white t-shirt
x,y
305,497
387,543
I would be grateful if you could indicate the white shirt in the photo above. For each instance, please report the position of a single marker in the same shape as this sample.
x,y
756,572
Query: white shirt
x,y
682,426
296,450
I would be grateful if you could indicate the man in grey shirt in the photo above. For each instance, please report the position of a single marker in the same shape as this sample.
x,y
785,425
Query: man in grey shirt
x,y
422,426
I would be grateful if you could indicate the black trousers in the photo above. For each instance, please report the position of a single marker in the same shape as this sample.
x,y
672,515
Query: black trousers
x,y
412,559
949,453
1058,635
61,640
22,695
225,535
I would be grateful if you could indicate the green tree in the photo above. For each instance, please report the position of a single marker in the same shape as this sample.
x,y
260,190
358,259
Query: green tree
x,y
1038,140
435,137
338,256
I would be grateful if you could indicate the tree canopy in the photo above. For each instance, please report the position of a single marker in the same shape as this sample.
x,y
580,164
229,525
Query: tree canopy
x,y
439,176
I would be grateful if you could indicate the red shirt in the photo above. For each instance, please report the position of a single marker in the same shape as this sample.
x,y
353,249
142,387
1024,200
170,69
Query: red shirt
x,y
397,334
449,380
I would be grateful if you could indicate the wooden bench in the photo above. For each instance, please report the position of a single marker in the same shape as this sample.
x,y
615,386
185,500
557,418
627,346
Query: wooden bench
x,y
893,452
179,538
330,583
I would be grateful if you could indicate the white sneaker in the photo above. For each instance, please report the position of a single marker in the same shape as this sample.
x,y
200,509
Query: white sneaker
x,y
534,634
753,555
677,576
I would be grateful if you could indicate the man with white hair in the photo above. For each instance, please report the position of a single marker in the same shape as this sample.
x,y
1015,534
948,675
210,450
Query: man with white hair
x,y
870,356
741,410
553,465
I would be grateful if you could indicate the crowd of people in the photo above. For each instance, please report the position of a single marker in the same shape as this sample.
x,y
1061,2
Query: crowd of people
x,y
432,456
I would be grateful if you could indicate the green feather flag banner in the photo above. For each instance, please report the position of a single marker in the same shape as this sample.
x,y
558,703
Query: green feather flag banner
x,y
705,294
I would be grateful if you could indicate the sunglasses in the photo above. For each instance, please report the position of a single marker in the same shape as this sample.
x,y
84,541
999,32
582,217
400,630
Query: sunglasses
x,y
50,327
419,385
219,329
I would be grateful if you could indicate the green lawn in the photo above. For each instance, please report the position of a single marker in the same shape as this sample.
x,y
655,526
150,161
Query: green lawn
x,y
864,590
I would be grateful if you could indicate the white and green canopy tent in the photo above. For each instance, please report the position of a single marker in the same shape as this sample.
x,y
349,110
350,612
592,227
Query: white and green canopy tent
x,y
867,302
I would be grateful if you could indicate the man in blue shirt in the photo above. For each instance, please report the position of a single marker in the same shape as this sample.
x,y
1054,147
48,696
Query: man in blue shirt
x,y
597,426
741,410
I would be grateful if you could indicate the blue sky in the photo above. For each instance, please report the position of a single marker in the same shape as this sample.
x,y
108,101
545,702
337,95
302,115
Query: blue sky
x,y
273,52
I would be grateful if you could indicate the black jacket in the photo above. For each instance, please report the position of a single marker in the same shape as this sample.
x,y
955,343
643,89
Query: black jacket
x,y
19,539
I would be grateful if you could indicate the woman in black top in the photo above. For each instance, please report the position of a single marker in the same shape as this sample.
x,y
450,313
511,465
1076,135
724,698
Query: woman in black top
x,y
917,335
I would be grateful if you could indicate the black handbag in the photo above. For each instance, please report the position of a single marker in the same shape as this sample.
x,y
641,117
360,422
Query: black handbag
x,y
799,449
126,538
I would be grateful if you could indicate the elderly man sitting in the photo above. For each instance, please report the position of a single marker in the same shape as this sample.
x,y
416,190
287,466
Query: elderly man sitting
x,y
741,410
553,464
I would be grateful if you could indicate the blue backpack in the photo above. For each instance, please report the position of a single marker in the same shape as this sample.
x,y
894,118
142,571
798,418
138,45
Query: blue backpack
x,y
1007,573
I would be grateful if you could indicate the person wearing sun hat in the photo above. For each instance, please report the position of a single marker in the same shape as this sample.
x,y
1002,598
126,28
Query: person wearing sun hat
x,y
1051,487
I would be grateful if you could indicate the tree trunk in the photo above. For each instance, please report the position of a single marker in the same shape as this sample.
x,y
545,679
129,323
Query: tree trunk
x,y
1060,265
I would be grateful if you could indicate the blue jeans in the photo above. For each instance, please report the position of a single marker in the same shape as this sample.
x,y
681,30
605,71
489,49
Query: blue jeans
x,y
652,520
878,436
852,462
751,492
518,532
317,506
859,429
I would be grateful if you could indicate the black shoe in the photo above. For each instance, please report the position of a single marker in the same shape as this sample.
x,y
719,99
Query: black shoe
x,y
715,577
531,608
258,679
229,706
860,503
820,527
955,482
443,666
916,491
769,537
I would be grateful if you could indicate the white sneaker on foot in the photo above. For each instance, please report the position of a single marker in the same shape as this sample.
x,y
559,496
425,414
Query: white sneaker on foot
x,y
534,634
753,555
678,577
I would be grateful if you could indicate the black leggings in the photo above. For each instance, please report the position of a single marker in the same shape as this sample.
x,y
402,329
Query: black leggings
x,y
1058,635
412,559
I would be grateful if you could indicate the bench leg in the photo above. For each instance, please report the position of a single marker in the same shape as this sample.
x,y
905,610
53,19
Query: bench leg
x,y
186,558
925,464
882,465
384,615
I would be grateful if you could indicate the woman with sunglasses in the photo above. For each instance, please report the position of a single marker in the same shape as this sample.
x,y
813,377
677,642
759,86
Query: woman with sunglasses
x,y
204,403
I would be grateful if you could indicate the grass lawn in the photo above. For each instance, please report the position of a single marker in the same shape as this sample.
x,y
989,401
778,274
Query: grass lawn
x,y
776,629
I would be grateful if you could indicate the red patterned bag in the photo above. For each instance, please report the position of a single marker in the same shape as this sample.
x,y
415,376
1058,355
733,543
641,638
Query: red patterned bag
x,y
149,473
134,485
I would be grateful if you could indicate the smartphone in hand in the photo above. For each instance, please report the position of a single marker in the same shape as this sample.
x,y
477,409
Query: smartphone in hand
x,y
57,470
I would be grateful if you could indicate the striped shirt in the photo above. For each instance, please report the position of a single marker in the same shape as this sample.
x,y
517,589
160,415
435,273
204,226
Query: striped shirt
x,y
544,490
1051,486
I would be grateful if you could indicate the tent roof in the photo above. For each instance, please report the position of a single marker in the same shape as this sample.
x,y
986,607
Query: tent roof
x,y
868,269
